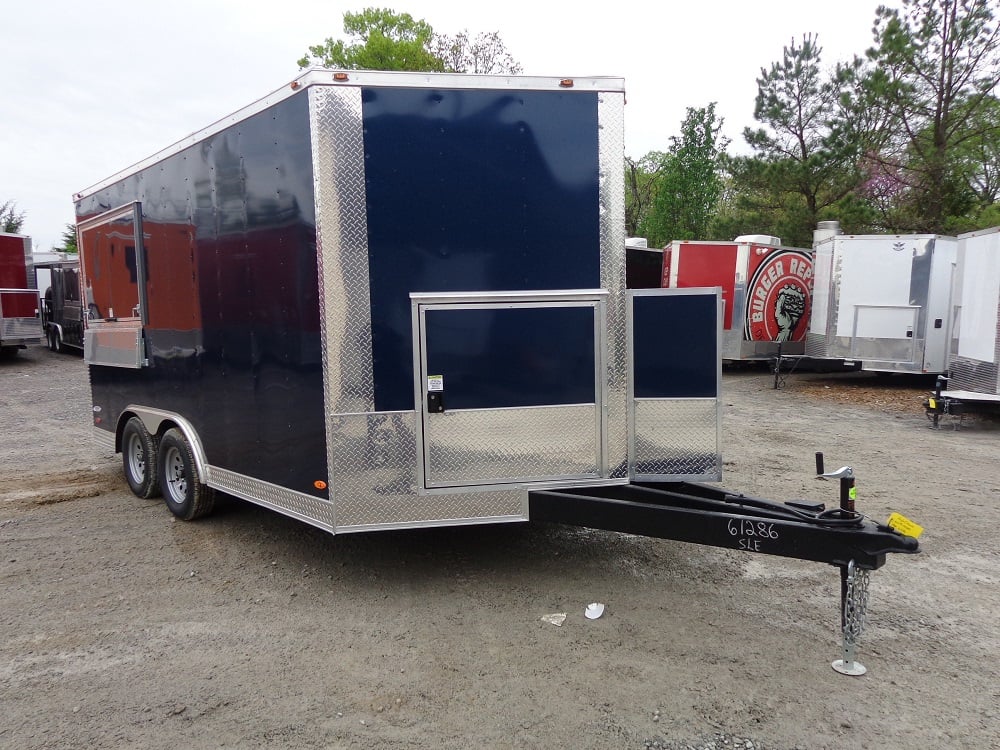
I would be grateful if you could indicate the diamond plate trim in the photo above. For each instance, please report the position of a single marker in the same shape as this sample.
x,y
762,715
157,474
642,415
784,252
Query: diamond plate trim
x,y
342,248
21,328
313,510
677,437
969,374
104,438
374,457
503,445
611,145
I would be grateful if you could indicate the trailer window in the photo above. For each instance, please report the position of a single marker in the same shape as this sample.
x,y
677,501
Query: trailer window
x,y
110,271
71,282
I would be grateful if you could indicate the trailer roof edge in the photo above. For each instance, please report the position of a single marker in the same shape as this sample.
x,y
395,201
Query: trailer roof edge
x,y
370,78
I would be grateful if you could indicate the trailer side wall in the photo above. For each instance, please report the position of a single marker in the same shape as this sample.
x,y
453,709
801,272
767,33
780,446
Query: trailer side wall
x,y
232,320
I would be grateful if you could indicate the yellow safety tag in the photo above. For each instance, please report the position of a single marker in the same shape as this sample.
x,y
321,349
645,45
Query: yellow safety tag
x,y
853,493
904,525
932,402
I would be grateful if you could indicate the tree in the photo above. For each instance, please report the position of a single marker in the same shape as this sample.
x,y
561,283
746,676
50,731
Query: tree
x,y
690,183
379,39
68,240
11,220
641,182
806,159
933,71
486,53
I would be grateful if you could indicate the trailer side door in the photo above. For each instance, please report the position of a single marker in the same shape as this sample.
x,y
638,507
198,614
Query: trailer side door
x,y
509,387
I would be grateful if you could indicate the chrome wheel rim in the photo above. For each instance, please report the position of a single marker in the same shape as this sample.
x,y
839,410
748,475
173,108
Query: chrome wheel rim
x,y
174,474
136,458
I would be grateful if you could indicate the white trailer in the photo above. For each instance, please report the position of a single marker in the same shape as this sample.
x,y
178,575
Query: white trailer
x,y
884,301
974,369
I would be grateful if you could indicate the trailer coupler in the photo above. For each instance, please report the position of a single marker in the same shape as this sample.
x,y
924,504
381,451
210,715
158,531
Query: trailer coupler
x,y
701,514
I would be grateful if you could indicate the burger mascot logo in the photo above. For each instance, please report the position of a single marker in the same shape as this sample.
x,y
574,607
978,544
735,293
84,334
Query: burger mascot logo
x,y
778,296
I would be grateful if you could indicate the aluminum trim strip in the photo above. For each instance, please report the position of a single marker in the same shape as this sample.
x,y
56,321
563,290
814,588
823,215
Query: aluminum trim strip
x,y
611,195
313,510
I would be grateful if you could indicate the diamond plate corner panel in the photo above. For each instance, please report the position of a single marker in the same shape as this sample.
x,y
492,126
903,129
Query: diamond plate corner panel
x,y
974,375
342,248
305,507
611,145
677,438
476,446
374,458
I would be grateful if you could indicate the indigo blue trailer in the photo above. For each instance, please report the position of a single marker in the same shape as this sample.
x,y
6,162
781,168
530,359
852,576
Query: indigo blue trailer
x,y
392,300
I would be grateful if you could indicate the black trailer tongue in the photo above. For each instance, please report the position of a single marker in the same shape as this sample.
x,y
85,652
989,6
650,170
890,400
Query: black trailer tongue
x,y
703,514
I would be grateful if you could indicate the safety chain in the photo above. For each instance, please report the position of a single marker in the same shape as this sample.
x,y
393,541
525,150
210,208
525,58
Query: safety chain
x,y
855,604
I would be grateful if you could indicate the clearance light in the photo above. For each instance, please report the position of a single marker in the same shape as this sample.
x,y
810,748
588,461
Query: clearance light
x,y
340,76
566,83
319,484
295,85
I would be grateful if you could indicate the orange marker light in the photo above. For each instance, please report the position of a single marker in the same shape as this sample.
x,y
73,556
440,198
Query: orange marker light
x,y
319,484
340,76
566,83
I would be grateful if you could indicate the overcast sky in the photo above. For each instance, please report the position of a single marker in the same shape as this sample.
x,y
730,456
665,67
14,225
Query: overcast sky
x,y
89,88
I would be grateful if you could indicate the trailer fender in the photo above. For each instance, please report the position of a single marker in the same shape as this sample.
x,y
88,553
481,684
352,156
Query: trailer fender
x,y
158,421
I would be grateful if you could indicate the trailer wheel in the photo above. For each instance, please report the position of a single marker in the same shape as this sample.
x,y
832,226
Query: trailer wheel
x,y
186,497
139,459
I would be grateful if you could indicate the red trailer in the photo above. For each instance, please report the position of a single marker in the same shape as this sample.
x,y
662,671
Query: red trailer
x,y
767,290
20,323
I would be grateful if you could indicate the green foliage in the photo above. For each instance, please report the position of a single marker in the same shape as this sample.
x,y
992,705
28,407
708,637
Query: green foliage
x,y
379,39
689,183
804,164
11,220
68,240
933,72
641,182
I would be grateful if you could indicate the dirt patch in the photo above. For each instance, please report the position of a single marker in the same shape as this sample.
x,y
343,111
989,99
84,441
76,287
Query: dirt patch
x,y
121,627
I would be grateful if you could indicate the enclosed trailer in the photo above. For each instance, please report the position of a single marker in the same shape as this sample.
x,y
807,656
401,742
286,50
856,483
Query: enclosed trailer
x,y
643,264
378,300
766,288
974,370
883,301
392,300
62,305
20,323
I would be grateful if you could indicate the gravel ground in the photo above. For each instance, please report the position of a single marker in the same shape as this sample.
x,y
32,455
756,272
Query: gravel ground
x,y
123,628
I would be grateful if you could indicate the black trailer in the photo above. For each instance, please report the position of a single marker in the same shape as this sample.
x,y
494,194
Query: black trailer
x,y
394,300
62,307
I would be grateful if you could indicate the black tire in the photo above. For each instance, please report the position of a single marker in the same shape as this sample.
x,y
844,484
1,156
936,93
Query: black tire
x,y
139,459
57,344
186,497
48,339
8,352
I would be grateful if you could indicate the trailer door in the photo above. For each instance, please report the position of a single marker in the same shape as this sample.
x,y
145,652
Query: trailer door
x,y
113,267
509,387
675,377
